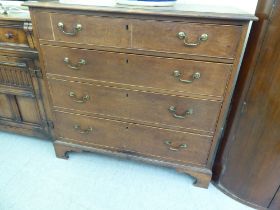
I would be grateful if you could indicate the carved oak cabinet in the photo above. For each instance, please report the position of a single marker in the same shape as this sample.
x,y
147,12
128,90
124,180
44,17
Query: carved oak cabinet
x,y
21,105
152,85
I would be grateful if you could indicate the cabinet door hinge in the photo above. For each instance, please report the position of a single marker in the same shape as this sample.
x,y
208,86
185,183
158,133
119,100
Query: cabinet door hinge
x,y
36,73
48,123
27,26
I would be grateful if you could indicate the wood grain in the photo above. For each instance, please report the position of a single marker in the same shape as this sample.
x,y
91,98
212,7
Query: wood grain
x,y
179,11
133,139
139,72
127,78
166,40
13,36
135,105
247,166
21,109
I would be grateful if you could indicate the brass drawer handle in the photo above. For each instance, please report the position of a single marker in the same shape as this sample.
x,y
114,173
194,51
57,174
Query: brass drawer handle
x,y
177,74
74,66
74,32
9,35
81,100
175,148
83,131
183,36
172,110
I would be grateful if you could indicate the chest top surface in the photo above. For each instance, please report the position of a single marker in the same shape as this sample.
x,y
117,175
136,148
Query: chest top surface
x,y
179,10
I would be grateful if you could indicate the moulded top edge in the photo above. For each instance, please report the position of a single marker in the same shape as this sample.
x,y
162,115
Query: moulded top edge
x,y
180,10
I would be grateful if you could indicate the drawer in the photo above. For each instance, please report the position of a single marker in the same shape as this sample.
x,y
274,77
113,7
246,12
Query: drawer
x,y
187,38
140,71
101,31
142,107
133,139
13,36
211,40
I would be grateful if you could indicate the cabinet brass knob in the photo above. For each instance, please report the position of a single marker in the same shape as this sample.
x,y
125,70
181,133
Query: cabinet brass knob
x,y
183,36
9,35
83,131
173,111
172,147
195,76
77,66
77,28
81,100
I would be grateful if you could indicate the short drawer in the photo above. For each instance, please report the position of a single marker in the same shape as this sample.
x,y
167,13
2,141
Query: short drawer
x,y
142,107
187,38
93,30
133,139
9,35
180,76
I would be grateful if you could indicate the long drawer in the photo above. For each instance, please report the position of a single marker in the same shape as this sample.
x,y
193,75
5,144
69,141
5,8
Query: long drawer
x,y
144,107
183,77
201,39
133,139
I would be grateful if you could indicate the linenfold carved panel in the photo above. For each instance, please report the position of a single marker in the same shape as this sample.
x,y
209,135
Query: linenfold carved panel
x,y
15,74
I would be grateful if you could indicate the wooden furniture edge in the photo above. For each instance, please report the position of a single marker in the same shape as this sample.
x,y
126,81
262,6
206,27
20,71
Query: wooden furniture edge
x,y
141,11
202,176
230,194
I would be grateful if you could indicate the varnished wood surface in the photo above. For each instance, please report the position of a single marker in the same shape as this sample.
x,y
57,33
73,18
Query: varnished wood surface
x,y
138,106
139,72
21,108
122,99
134,139
5,105
139,34
180,10
248,163
14,72
102,31
165,39
202,175
12,35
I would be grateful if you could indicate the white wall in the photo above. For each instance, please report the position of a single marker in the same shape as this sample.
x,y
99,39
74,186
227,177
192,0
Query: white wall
x,y
245,5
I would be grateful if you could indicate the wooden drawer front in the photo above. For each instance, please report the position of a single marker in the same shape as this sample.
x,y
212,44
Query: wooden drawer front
x,y
136,105
162,36
148,35
140,71
134,139
101,31
13,36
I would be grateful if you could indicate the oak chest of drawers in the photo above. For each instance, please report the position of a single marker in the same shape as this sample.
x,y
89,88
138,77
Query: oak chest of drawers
x,y
152,85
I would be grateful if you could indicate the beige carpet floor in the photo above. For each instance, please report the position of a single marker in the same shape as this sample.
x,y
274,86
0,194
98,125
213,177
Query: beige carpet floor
x,y
32,178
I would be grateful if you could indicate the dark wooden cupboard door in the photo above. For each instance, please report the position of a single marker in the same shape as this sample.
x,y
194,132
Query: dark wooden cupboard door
x,y
6,111
248,163
21,106
19,109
